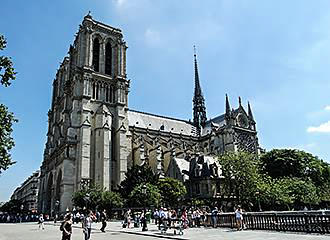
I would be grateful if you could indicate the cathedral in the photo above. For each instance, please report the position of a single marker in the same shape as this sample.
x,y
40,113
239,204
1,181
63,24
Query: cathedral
x,y
93,136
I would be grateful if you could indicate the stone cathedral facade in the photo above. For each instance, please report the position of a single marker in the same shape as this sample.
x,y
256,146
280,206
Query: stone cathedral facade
x,y
93,137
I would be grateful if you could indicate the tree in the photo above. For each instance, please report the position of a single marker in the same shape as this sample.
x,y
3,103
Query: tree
x,y
292,163
137,198
171,190
12,206
7,74
136,176
95,197
241,172
110,200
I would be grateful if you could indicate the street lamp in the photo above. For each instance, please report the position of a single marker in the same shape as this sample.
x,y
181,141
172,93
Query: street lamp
x,y
144,192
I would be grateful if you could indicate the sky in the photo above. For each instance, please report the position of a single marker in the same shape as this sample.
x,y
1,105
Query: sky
x,y
274,54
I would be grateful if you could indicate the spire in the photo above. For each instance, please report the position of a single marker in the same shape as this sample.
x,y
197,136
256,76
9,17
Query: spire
x,y
227,106
250,112
198,90
199,109
239,101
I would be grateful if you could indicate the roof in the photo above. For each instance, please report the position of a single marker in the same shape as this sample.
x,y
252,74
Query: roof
x,y
219,121
182,164
156,122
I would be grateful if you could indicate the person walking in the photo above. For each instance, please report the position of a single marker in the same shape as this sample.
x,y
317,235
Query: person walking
x,y
67,227
41,222
239,218
127,218
87,225
103,217
214,217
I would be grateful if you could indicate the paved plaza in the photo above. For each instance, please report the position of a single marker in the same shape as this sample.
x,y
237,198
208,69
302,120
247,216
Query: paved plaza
x,y
30,231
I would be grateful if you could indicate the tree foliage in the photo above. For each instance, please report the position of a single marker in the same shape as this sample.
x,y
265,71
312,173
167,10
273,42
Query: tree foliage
x,y
7,74
299,165
12,206
241,173
172,191
135,176
137,198
96,197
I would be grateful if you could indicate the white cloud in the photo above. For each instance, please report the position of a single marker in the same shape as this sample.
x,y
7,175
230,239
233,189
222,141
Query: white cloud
x,y
323,128
327,108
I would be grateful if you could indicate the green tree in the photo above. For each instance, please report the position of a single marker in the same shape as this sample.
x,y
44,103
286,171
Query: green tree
x,y
241,172
7,74
137,198
110,200
291,163
136,176
172,190
12,206
89,197
96,197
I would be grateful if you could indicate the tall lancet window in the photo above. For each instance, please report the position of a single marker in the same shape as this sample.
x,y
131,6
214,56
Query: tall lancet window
x,y
96,54
108,58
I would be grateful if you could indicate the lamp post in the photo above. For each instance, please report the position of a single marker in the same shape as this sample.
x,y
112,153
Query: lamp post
x,y
144,192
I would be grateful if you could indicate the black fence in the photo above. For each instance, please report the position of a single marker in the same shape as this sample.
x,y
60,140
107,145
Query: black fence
x,y
295,221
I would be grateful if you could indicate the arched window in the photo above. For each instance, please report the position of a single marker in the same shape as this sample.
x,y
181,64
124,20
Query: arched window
x,y
107,93
111,94
108,58
96,54
93,96
97,91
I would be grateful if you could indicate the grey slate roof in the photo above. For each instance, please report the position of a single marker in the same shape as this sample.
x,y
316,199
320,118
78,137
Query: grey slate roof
x,y
156,122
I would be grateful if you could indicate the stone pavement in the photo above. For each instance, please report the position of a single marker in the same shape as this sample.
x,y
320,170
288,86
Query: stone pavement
x,y
30,231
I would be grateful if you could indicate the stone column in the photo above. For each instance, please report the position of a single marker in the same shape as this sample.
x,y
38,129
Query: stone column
x,y
85,136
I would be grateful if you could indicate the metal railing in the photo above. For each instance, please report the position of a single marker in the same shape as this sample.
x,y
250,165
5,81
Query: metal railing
x,y
294,221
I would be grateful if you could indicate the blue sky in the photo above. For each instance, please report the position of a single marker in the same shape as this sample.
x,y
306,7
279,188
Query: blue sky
x,y
276,54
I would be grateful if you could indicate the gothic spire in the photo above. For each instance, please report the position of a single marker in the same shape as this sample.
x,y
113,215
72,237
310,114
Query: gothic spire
x,y
250,111
239,101
199,109
227,106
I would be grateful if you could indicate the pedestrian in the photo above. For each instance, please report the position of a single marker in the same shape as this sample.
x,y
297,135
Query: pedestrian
x,y
127,217
214,217
67,227
87,225
156,216
41,222
103,217
239,218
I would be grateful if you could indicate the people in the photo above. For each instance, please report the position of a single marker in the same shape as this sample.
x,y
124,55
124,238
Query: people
x,y
239,217
103,217
156,216
87,225
214,217
41,222
127,218
67,227
184,218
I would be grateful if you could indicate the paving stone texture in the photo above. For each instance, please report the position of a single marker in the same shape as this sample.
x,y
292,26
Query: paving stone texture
x,y
30,231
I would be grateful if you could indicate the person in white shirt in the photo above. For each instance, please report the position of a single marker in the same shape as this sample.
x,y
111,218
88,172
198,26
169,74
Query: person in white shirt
x,y
41,222
239,218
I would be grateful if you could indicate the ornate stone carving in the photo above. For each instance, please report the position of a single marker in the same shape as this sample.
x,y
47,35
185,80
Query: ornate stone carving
x,y
245,141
